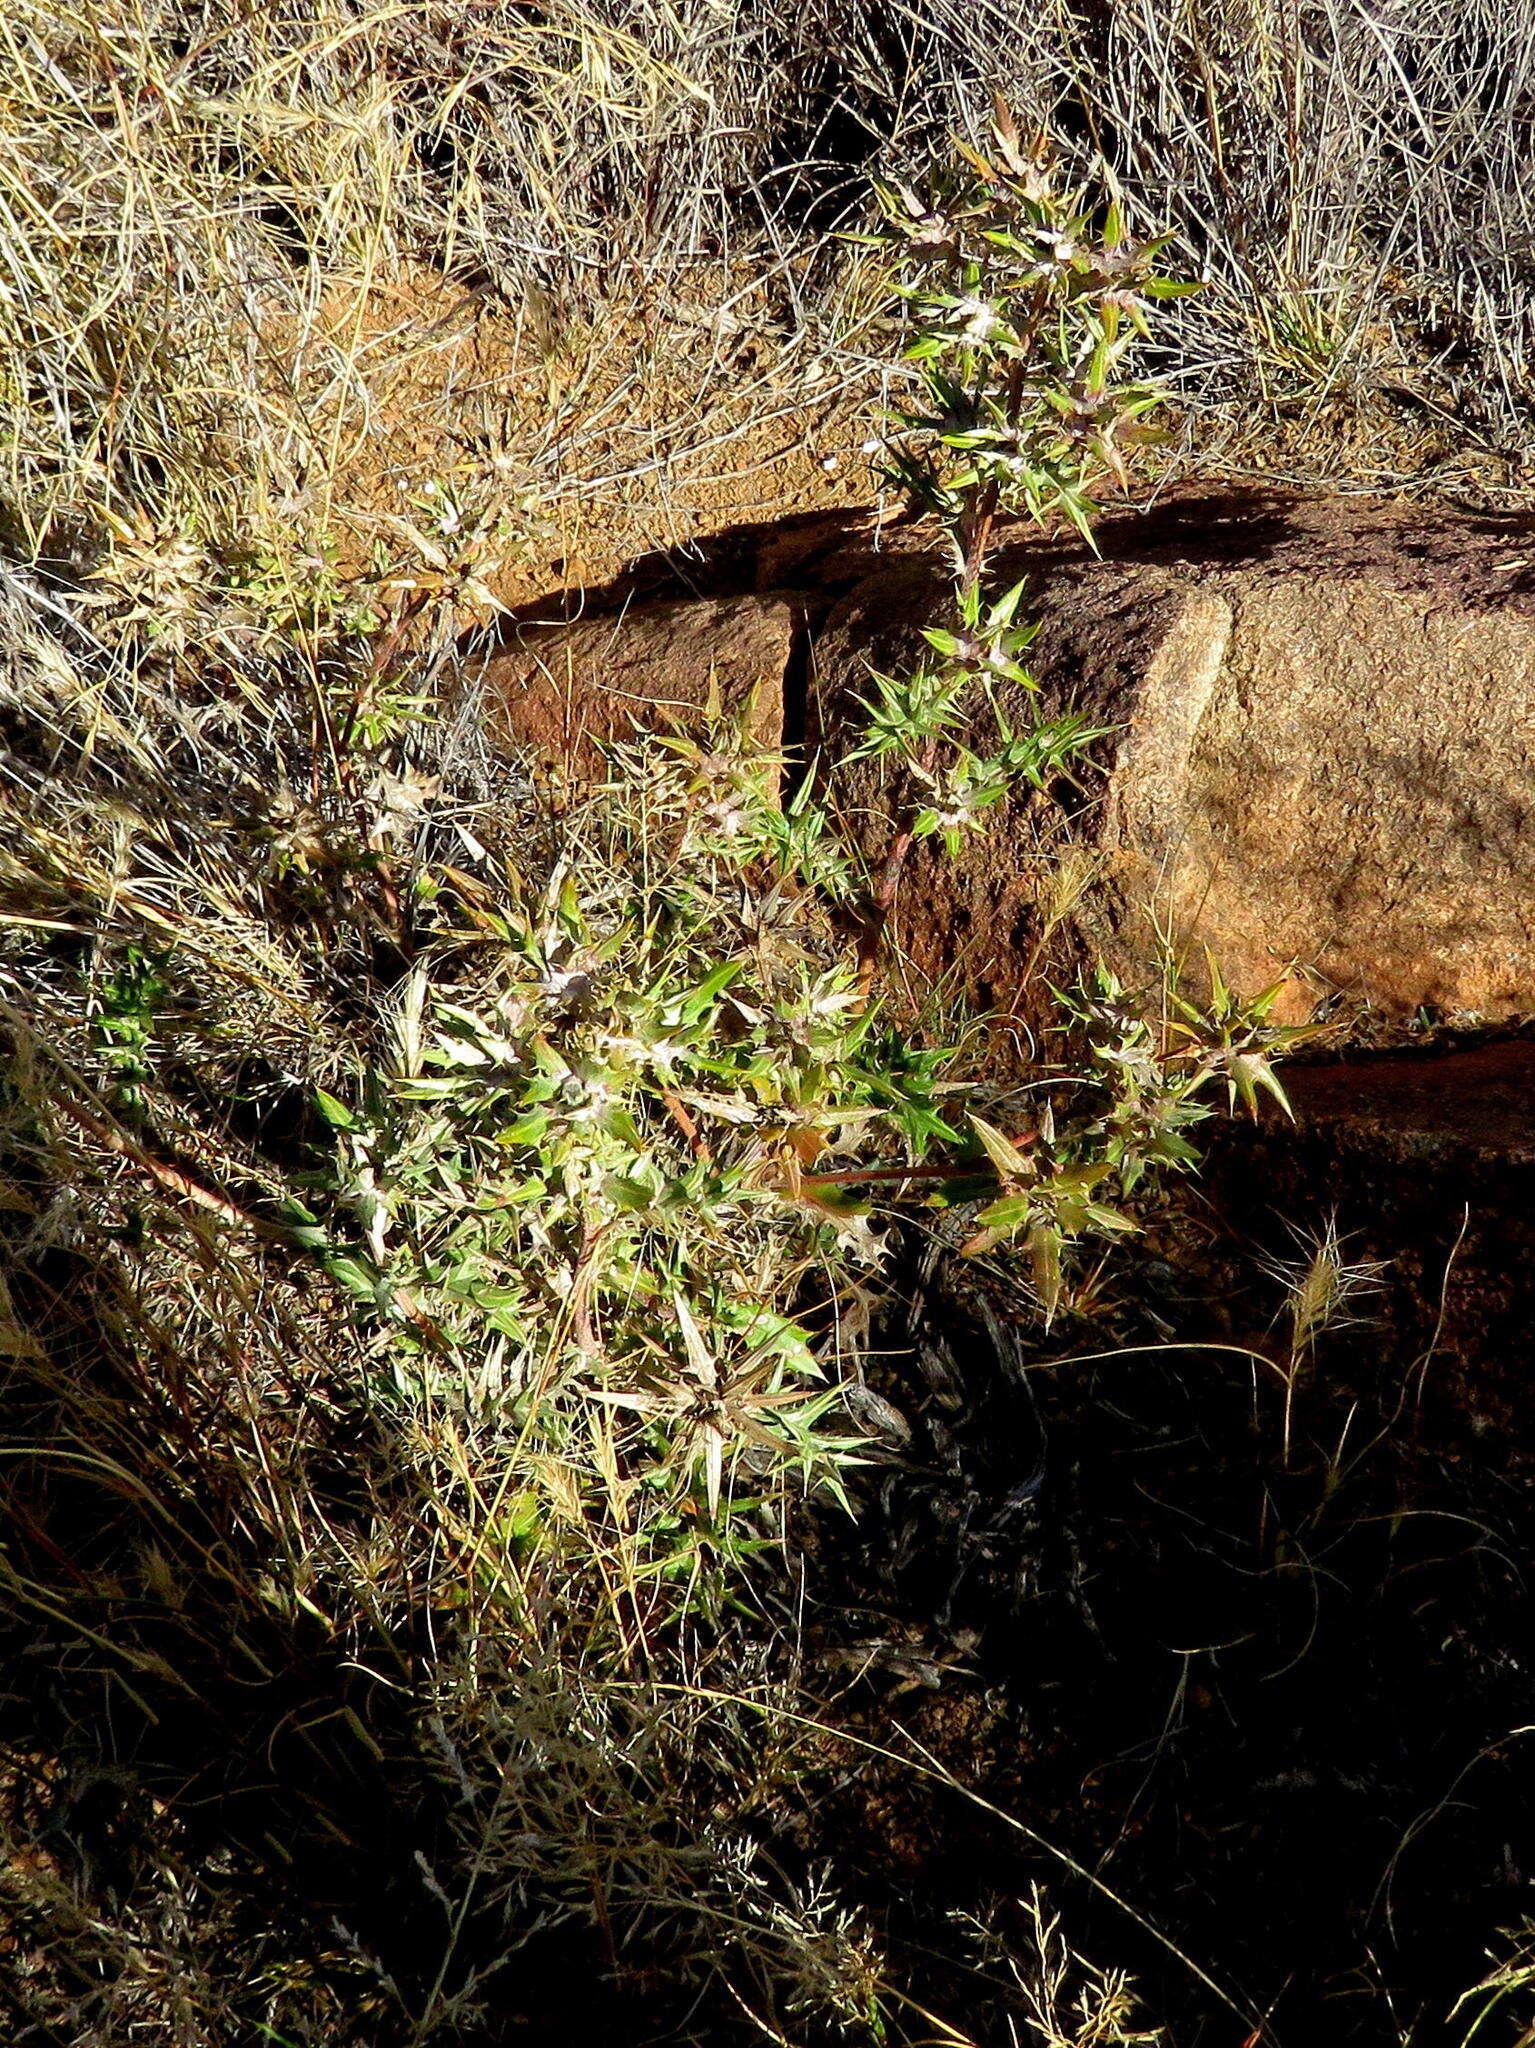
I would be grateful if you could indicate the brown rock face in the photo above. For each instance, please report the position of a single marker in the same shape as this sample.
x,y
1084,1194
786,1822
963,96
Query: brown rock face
x,y
1321,755
1323,758
563,688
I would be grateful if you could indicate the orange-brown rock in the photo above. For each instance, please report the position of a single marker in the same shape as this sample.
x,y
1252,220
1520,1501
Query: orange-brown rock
x,y
1322,758
566,688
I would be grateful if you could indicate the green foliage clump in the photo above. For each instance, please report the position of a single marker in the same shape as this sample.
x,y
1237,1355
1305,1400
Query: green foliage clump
x,y
1026,299
483,1205
585,1186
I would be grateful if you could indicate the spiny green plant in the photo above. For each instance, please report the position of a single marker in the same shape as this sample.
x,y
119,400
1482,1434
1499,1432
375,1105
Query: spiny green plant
x,y
615,1168
1026,299
127,1010
1126,1112
606,1157
1159,1068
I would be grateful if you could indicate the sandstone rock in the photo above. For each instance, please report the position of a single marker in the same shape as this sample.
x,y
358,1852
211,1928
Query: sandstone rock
x,y
1323,759
1455,1112
564,688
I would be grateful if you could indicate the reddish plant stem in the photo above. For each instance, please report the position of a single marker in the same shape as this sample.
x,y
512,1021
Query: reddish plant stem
x,y
974,537
214,1203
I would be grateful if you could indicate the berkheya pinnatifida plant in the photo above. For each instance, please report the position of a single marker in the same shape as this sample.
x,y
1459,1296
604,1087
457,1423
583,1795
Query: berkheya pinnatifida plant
x,y
1026,298
639,1101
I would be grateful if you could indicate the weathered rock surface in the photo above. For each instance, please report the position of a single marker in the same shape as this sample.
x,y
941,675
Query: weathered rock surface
x,y
565,688
1453,1111
1324,755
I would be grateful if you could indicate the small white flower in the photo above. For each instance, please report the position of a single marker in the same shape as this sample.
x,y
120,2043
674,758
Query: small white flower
x,y
979,319
726,816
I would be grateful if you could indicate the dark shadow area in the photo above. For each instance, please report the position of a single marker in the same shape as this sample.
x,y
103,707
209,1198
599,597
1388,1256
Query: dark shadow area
x,y
151,1694
1246,1650
1242,1642
193,1755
